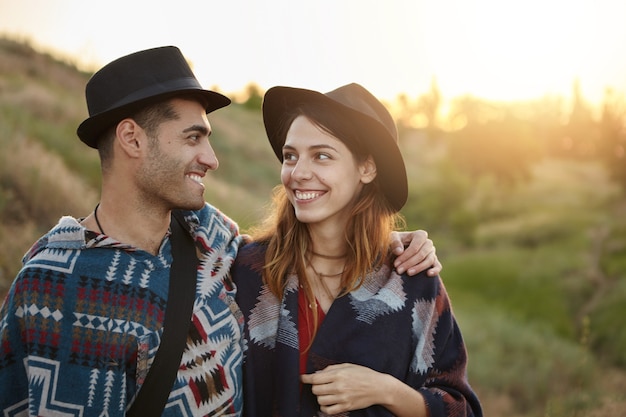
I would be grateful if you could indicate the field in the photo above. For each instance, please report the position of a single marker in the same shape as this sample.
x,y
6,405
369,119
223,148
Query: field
x,y
536,268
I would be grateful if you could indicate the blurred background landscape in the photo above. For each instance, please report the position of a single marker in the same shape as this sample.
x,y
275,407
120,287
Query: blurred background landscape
x,y
525,201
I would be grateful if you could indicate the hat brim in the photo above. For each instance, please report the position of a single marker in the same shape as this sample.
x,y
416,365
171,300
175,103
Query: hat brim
x,y
383,147
91,128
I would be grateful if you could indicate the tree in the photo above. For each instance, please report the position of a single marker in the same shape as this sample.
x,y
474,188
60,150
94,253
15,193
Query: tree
x,y
580,140
612,144
494,141
422,113
429,105
254,97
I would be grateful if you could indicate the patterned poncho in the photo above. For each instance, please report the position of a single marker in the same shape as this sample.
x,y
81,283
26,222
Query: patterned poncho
x,y
83,320
399,325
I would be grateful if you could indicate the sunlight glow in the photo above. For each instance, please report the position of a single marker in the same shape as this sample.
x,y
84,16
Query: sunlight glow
x,y
493,49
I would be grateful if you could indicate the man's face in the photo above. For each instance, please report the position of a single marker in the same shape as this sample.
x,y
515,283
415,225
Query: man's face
x,y
178,158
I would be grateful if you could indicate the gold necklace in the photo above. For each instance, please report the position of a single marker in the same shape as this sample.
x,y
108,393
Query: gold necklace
x,y
321,255
320,277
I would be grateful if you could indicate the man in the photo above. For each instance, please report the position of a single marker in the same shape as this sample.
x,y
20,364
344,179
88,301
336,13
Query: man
x,y
83,321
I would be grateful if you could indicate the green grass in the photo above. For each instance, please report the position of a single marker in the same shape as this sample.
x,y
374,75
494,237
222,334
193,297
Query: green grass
x,y
536,271
607,335
525,361
515,281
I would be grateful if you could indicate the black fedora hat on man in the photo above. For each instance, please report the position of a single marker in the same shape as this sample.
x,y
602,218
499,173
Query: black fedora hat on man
x,y
375,126
129,83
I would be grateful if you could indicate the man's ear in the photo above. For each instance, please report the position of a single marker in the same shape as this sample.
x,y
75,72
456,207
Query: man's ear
x,y
130,137
368,170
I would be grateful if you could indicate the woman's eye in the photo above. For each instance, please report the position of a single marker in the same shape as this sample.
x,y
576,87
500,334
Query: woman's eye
x,y
323,156
289,157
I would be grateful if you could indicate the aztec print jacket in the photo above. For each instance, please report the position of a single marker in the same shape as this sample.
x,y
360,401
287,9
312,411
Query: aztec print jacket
x,y
395,324
83,320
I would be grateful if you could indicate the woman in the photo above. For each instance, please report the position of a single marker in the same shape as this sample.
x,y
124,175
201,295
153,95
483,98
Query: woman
x,y
331,328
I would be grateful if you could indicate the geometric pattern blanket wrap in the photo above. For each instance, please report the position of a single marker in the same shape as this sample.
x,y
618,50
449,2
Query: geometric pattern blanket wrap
x,y
396,324
83,321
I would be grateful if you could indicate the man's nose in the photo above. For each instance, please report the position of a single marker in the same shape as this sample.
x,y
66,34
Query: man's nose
x,y
208,158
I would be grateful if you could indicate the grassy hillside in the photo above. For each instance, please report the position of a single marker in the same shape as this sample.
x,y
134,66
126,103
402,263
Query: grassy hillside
x,y
536,271
46,172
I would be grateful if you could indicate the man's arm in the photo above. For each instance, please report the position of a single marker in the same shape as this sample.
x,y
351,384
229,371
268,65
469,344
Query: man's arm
x,y
420,254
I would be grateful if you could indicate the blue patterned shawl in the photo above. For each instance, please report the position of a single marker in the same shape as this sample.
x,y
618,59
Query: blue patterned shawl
x,y
83,320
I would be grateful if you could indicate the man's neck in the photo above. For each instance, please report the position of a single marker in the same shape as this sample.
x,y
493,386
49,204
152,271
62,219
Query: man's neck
x,y
141,228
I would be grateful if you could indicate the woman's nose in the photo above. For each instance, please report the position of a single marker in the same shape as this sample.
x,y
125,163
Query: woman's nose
x,y
301,170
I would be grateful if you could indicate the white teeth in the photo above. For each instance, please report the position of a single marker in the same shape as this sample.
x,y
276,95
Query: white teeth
x,y
196,178
306,196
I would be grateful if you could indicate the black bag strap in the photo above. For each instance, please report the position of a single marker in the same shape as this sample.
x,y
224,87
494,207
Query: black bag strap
x,y
156,389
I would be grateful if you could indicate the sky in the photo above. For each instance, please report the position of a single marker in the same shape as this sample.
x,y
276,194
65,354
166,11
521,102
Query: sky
x,y
502,50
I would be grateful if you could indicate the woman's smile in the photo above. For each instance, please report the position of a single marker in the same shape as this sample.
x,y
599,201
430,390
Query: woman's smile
x,y
307,195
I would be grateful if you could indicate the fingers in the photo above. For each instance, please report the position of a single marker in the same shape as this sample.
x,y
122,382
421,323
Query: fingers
x,y
344,387
436,269
410,243
323,376
331,393
326,391
312,379
397,244
430,263
418,256
246,238
401,239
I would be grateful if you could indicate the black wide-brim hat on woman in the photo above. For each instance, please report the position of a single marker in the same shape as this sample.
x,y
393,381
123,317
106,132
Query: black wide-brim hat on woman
x,y
375,127
129,83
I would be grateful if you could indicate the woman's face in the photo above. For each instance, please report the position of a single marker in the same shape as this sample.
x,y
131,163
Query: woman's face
x,y
321,176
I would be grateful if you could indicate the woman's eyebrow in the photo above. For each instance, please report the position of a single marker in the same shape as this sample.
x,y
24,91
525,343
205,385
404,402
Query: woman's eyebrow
x,y
289,147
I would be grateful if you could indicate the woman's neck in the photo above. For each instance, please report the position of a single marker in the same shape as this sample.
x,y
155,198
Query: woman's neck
x,y
327,242
325,280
